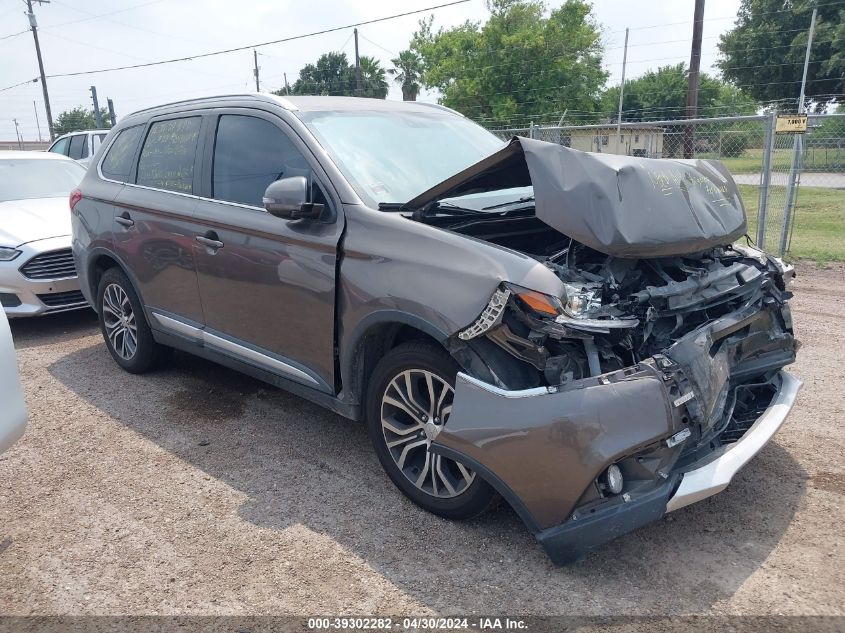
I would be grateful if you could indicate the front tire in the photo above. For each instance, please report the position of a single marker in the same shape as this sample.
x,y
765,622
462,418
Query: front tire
x,y
409,399
125,329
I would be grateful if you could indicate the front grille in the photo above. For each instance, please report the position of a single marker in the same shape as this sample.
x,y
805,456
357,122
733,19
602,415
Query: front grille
x,y
751,402
62,299
8,300
52,265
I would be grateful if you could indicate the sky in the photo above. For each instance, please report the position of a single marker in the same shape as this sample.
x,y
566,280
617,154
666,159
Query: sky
x,y
80,35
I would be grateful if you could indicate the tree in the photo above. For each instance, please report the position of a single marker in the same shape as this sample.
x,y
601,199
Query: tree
x,y
764,52
331,75
662,94
334,75
373,82
521,65
79,118
407,72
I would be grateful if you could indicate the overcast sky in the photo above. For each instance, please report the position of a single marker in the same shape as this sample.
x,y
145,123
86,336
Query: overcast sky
x,y
81,35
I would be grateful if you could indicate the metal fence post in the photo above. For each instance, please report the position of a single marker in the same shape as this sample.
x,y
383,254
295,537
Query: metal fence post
x,y
792,183
765,178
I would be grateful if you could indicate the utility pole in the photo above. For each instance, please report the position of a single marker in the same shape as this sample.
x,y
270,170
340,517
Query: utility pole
x,y
37,122
692,82
797,147
17,134
97,116
112,115
255,72
357,66
33,24
622,88
287,89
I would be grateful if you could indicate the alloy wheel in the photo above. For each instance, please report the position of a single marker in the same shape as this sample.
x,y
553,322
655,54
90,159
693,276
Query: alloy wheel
x,y
414,407
119,321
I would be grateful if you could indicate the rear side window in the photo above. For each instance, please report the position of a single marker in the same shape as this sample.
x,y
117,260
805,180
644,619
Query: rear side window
x,y
60,146
117,165
249,154
167,159
78,146
96,141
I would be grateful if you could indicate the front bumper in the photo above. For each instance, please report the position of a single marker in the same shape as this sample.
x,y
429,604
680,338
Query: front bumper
x,y
540,448
22,296
581,534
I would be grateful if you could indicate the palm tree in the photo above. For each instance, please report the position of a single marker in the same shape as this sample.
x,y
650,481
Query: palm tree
x,y
407,72
372,78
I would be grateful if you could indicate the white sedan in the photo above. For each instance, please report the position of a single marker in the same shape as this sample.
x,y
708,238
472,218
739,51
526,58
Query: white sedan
x,y
37,273
13,409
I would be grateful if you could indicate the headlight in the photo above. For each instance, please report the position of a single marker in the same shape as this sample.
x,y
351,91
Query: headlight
x,y
8,254
577,302
536,301
580,300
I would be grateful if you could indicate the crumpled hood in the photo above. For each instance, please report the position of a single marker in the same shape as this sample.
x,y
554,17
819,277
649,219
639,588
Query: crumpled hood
x,y
620,205
23,221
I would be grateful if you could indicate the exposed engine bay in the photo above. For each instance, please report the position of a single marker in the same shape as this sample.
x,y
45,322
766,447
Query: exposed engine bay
x,y
661,347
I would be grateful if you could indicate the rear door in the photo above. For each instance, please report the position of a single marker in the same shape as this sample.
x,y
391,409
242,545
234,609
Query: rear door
x,y
267,284
154,230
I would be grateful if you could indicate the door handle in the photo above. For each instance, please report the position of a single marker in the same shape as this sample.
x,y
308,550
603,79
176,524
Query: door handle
x,y
125,220
210,240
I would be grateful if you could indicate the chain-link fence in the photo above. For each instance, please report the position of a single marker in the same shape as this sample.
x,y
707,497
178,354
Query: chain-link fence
x,y
767,166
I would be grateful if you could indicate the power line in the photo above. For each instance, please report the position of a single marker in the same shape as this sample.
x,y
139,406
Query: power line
x,y
257,45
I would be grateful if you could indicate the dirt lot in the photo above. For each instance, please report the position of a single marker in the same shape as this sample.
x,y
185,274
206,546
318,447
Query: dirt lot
x,y
196,490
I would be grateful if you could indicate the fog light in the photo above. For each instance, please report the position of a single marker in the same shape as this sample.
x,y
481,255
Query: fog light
x,y
614,479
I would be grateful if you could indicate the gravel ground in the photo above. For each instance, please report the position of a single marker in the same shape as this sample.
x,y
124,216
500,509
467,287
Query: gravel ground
x,y
195,490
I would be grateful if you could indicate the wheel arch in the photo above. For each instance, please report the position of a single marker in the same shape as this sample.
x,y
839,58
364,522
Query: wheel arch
x,y
101,260
374,336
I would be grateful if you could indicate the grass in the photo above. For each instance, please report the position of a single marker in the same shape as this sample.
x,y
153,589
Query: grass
x,y
751,161
819,228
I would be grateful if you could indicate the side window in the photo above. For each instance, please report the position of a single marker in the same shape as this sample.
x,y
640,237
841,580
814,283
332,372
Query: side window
x,y
249,154
167,159
60,147
84,145
96,141
117,165
76,146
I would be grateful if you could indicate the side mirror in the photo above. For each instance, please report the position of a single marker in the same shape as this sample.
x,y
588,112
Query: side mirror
x,y
288,199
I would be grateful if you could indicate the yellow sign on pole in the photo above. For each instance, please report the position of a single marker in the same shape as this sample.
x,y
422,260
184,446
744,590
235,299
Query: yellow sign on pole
x,y
791,124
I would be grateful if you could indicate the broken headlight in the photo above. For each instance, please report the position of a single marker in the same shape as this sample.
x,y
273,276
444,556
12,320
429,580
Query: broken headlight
x,y
580,300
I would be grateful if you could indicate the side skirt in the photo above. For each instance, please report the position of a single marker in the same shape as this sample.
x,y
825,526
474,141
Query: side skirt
x,y
328,401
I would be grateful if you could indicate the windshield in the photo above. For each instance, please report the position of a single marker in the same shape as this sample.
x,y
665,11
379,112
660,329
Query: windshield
x,y
395,156
24,178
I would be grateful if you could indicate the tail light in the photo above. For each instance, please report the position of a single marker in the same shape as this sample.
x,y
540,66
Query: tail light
x,y
75,197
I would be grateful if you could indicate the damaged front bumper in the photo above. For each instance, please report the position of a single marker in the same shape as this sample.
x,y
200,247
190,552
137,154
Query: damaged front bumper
x,y
546,449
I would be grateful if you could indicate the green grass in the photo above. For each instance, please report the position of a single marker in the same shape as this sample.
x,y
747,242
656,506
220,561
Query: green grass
x,y
819,228
751,161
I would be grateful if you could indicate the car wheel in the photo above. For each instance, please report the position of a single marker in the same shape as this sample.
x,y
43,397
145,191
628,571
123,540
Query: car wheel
x,y
409,399
123,324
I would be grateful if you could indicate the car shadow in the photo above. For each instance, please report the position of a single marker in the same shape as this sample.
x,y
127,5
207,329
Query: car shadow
x,y
299,464
52,328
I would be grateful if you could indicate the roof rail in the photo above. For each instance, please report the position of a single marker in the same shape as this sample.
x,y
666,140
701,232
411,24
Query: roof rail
x,y
251,95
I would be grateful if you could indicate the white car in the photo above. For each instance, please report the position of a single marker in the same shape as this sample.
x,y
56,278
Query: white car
x,y
37,273
13,409
80,146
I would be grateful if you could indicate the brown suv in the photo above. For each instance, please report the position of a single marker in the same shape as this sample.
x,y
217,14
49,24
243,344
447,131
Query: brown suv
x,y
578,333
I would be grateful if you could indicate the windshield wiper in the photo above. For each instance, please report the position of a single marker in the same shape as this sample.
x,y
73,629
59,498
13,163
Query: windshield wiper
x,y
390,206
447,208
507,204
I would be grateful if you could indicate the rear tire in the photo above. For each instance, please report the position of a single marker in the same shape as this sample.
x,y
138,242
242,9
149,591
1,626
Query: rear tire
x,y
409,398
123,324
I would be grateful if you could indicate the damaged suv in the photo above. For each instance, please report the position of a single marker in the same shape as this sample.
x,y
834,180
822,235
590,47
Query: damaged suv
x,y
589,337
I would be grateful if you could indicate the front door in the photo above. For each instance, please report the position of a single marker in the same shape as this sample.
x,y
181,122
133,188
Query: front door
x,y
267,284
